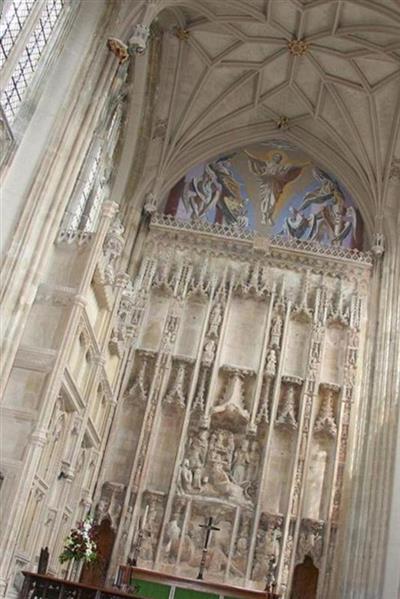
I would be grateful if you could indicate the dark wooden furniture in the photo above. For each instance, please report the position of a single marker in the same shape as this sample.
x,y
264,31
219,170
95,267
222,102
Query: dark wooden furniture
x,y
38,586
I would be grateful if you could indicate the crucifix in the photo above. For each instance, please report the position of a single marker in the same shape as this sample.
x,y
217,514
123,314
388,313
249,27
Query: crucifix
x,y
209,528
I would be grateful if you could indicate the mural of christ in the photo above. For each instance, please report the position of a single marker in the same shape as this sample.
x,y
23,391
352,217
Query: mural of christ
x,y
273,175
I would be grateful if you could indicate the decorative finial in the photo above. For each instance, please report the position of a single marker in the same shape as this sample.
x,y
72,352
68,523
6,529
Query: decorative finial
x,y
298,47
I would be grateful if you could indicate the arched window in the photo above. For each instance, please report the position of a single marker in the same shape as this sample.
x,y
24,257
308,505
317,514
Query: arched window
x,y
90,190
25,30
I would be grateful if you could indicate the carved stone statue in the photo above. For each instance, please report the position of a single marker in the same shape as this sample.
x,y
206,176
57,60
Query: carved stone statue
x,y
173,533
270,368
276,332
197,455
209,352
122,330
241,462
221,447
215,320
254,461
112,248
185,478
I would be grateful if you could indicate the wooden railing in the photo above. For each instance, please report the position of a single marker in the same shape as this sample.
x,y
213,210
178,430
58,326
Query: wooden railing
x,y
39,586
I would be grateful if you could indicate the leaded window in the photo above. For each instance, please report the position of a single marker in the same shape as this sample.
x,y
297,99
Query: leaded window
x,y
25,66
84,208
11,25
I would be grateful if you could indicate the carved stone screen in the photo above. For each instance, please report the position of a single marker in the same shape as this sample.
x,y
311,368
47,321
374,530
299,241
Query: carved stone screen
x,y
240,390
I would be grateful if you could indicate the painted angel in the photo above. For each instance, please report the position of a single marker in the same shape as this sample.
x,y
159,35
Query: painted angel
x,y
334,219
273,176
215,188
231,207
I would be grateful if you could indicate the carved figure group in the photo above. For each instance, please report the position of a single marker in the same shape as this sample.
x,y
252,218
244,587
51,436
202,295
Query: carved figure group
x,y
219,464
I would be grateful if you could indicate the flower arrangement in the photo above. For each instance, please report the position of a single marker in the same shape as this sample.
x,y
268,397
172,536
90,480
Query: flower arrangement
x,y
80,545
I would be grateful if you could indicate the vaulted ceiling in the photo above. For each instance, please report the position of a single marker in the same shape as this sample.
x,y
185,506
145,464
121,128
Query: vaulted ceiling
x,y
230,71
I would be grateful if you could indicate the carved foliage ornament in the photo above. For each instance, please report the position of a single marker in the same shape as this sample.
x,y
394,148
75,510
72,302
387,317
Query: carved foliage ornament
x,y
298,47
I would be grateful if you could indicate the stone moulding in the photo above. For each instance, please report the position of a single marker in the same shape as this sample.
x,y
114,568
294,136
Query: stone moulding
x,y
271,245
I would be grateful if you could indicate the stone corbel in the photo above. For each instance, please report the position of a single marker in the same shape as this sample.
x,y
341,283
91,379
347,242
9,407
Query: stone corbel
x,y
176,396
232,411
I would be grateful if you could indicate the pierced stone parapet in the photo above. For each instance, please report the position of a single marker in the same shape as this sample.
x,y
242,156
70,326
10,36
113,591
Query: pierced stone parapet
x,y
74,237
163,221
